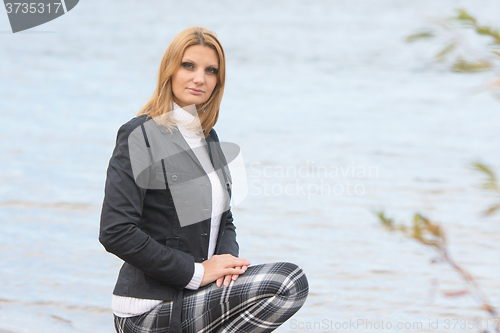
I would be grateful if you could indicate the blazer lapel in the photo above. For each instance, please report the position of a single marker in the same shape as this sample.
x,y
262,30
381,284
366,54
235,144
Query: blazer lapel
x,y
179,140
219,163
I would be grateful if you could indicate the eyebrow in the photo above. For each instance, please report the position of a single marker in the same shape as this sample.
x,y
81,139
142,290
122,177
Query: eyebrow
x,y
187,59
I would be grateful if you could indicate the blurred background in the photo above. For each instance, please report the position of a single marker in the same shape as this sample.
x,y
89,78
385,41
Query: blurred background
x,y
336,116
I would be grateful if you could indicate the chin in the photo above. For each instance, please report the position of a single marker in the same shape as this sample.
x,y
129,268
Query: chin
x,y
195,101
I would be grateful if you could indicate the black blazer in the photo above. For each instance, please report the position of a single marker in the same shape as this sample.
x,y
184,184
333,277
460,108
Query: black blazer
x,y
141,226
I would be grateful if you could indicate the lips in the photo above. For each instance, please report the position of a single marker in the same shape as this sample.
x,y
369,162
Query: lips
x,y
195,91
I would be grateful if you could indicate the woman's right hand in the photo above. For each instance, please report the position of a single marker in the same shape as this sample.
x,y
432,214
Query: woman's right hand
x,y
221,265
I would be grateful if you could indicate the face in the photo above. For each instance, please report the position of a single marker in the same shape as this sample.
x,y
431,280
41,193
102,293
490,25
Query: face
x,y
195,79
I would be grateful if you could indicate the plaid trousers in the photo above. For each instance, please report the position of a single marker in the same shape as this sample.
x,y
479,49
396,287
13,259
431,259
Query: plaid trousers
x,y
260,300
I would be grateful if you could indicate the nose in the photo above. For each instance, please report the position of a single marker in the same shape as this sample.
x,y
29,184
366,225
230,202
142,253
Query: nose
x,y
199,77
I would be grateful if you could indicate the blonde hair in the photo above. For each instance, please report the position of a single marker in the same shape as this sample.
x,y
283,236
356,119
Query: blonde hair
x,y
161,102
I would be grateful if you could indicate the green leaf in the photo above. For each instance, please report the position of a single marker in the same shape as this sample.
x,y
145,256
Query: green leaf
x,y
417,228
464,16
483,168
420,35
450,47
468,66
384,220
485,30
491,181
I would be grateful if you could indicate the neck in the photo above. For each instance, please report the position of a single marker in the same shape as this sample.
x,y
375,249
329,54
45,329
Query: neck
x,y
188,123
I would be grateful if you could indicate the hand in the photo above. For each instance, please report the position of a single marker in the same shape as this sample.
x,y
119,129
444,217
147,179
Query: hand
x,y
222,265
227,279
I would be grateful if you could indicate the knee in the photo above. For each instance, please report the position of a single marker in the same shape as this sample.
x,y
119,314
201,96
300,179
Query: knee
x,y
290,280
298,280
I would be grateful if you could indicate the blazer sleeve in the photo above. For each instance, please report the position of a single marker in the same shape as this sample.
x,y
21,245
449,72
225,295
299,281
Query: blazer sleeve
x,y
121,213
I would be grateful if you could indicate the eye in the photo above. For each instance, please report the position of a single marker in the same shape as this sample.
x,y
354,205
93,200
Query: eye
x,y
187,65
212,70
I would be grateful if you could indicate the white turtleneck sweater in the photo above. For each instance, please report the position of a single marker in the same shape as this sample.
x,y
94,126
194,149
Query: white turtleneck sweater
x,y
129,306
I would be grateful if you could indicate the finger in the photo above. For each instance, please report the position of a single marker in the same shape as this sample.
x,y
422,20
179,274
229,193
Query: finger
x,y
227,280
219,281
243,268
238,262
235,276
234,271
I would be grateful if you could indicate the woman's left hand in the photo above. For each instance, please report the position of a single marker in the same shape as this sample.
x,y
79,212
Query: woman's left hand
x,y
227,279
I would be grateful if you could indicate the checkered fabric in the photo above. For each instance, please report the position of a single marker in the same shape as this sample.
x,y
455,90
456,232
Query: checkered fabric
x,y
260,300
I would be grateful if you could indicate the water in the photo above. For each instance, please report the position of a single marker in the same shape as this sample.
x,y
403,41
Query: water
x,y
329,86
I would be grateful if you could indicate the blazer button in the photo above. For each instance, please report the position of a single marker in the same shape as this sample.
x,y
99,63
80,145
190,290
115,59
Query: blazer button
x,y
174,178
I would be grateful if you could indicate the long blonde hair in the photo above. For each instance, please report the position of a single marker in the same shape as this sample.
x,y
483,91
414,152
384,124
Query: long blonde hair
x,y
161,102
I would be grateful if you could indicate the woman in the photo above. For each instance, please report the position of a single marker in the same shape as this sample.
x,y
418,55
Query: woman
x,y
166,212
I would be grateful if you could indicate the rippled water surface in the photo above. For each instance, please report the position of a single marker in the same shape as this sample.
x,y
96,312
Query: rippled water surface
x,y
336,116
